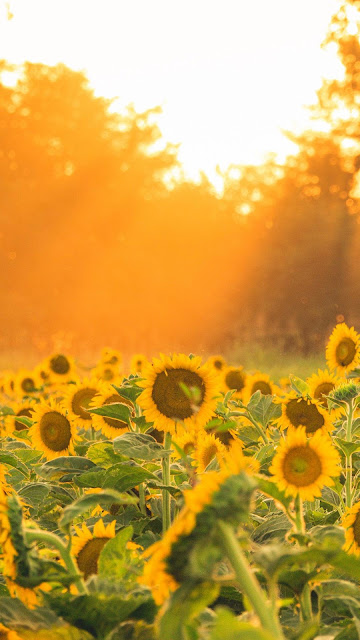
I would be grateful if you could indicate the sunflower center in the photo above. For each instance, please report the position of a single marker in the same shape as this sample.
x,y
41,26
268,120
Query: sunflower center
x,y
345,352
28,384
301,466
117,424
218,364
108,374
55,431
235,380
208,454
87,558
356,528
323,389
60,364
168,395
18,425
112,360
300,413
4,635
262,386
80,402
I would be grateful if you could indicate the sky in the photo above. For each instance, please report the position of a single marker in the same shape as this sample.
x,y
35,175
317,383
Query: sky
x,y
229,74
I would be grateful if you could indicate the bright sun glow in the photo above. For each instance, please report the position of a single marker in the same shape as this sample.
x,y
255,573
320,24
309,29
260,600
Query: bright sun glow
x,y
229,74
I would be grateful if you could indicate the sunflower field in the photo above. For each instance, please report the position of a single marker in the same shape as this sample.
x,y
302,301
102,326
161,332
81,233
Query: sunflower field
x,y
180,500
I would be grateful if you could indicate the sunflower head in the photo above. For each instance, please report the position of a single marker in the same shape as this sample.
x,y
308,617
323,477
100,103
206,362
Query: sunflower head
x,y
234,379
343,349
217,362
351,524
52,431
208,447
300,411
59,367
22,409
303,466
110,427
137,363
345,393
27,382
111,357
87,546
77,399
178,389
321,384
258,382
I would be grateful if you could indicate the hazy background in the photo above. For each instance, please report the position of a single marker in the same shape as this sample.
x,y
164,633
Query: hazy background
x,y
110,234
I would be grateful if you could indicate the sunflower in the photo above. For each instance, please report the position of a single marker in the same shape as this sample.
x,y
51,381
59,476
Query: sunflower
x,y
9,551
52,432
111,357
343,349
351,524
137,363
165,402
204,504
302,411
26,382
61,368
8,634
106,373
258,382
320,385
186,440
77,399
110,427
303,466
8,383
218,362
234,378
22,409
208,447
86,546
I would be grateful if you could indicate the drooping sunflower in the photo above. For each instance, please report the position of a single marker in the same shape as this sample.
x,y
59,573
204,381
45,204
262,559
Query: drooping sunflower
x,y
208,447
137,363
218,362
26,382
61,368
22,409
219,494
258,382
86,546
351,524
303,466
343,349
77,400
234,378
12,544
320,385
164,400
301,411
52,432
109,426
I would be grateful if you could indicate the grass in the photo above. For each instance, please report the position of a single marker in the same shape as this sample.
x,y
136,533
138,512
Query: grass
x,y
276,363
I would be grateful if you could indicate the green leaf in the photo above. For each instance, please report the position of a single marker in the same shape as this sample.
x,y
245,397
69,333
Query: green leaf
x,y
102,454
347,447
14,614
299,385
129,392
139,445
93,479
70,465
263,409
274,526
13,460
116,411
185,604
271,489
112,557
123,476
228,627
6,411
89,501
65,632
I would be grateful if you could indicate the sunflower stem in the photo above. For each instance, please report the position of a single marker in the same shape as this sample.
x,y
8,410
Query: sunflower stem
x,y
299,518
166,513
48,538
258,428
142,502
305,598
247,581
348,457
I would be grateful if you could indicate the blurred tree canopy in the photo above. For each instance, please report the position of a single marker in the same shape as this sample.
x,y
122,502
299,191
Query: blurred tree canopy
x,y
102,238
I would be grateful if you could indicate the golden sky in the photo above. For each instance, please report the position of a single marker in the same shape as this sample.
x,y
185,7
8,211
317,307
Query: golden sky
x,y
229,74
